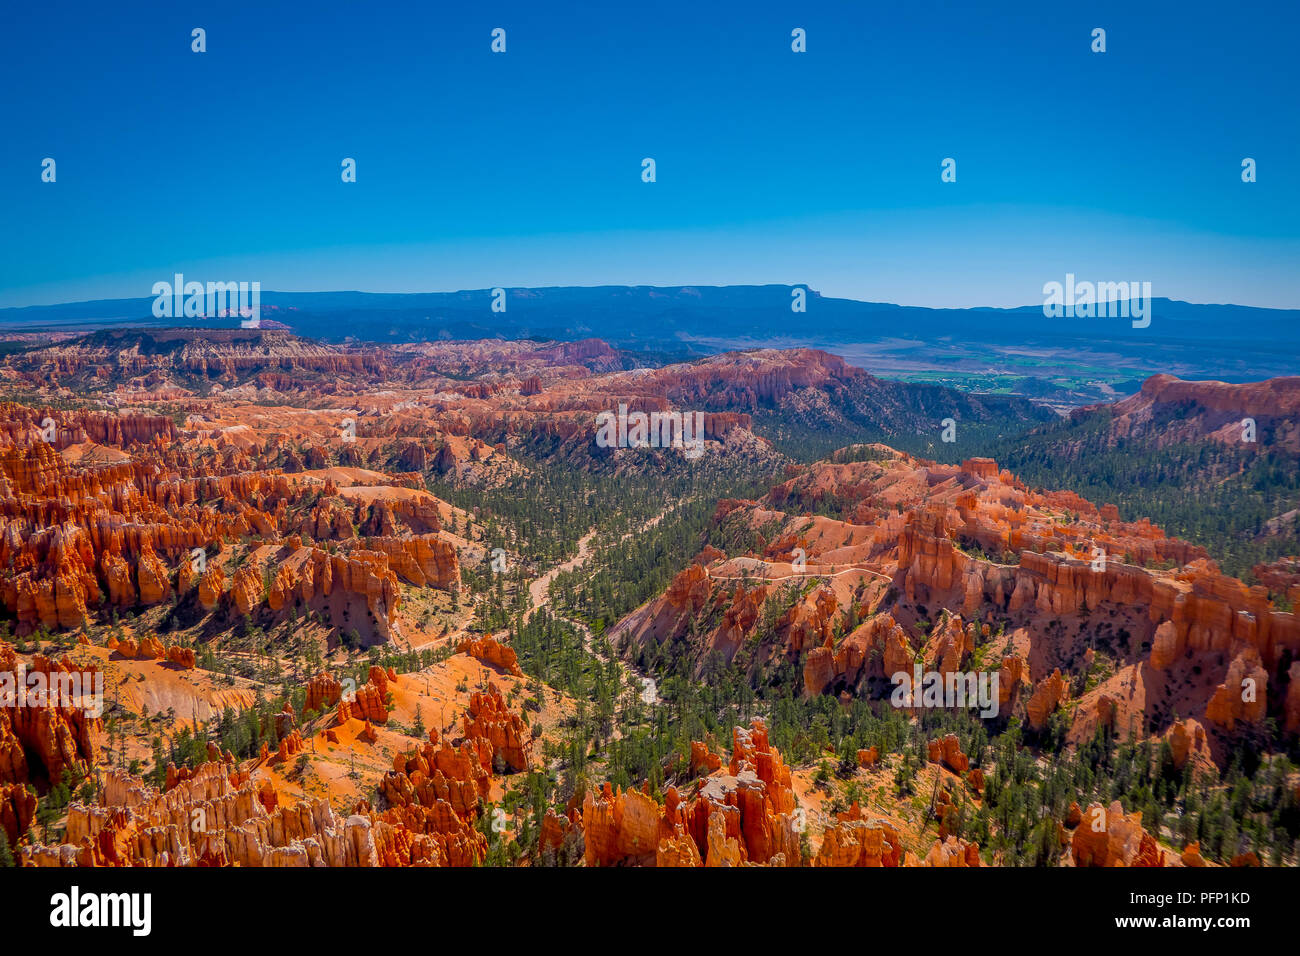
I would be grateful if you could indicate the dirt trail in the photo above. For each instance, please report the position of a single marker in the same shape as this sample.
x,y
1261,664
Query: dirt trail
x,y
539,596
539,588
810,572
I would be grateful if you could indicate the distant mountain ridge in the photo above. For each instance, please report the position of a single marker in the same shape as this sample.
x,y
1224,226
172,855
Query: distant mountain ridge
x,y
1228,342
634,302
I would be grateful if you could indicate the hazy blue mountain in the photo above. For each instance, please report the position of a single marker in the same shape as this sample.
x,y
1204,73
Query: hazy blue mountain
x,y
976,348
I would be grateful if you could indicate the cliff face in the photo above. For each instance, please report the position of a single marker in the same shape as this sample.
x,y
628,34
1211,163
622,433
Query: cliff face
x,y
746,815
81,539
1274,398
931,559
1106,836
748,379
209,352
53,728
1281,576
21,425
491,651
424,560
1169,410
224,813
218,817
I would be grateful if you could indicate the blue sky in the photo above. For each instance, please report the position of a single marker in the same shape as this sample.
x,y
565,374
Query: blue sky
x,y
479,170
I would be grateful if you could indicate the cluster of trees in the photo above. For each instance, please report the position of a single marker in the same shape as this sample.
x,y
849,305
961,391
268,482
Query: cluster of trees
x,y
630,571
542,512
1216,495
808,438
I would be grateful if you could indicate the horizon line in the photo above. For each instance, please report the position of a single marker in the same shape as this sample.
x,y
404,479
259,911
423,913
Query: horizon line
x,y
675,287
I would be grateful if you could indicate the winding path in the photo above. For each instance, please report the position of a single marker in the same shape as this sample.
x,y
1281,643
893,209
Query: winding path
x,y
539,596
539,589
806,573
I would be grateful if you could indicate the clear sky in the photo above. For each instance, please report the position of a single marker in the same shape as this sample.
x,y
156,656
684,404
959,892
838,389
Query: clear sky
x,y
477,169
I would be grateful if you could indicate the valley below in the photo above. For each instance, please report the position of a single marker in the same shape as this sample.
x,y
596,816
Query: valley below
x,y
331,603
